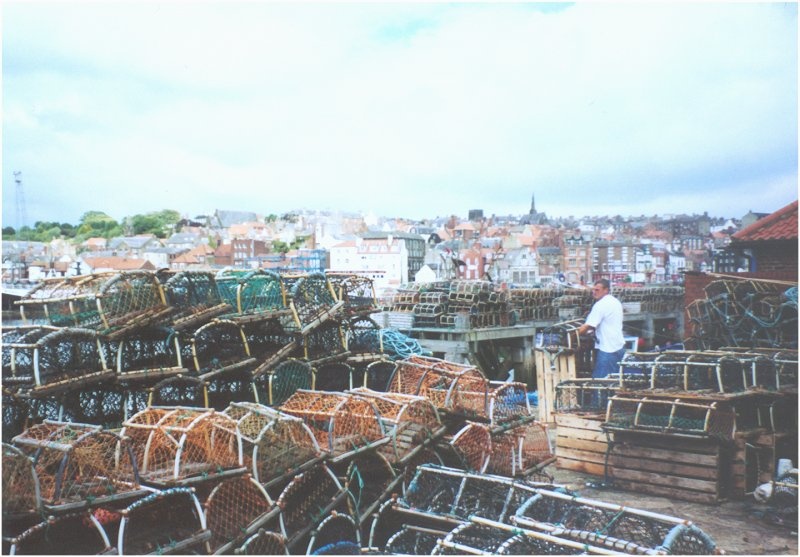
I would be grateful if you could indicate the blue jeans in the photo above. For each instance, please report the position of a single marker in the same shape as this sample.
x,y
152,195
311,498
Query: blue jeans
x,y
607,362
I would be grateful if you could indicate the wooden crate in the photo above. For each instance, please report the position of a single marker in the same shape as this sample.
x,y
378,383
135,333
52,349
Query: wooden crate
x,y
580,443
690,469
549,373
754,457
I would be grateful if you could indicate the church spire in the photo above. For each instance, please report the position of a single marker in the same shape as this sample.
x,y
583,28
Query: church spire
x,y
533,205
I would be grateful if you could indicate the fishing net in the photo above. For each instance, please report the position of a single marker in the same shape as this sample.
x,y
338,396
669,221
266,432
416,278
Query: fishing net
x,y
342,424
378,374
333,376
252,294
235,509
196,298
235,385
518,451
584,395
277,385
70,357
411,422
149,354
267,338
508,402
20,484
362,335
180,390
334,532
356,291
324,342
307,499
671,416
79,464
167,522
369,479
471,447
17,414
264,542
412,540
99,404
173,444
481,537
613,526
275,443
220,346
76,533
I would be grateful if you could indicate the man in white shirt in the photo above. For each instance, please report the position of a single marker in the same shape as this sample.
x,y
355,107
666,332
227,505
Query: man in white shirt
x,y
606,321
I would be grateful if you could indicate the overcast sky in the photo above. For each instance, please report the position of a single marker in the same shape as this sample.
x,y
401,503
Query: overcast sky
x,y
407,109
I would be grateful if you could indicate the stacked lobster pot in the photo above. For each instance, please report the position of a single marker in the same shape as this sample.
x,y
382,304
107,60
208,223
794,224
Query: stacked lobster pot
x,y
710,423
448,511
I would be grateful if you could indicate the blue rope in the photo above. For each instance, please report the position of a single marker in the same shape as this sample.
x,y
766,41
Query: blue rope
x,y
398,346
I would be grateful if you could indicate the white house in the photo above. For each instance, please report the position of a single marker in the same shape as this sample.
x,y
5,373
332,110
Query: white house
x,y
384,260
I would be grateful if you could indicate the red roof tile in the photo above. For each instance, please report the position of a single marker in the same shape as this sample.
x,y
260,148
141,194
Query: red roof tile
x,y
780,225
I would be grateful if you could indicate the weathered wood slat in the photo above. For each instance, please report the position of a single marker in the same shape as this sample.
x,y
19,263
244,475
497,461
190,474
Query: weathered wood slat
x,y
664,467
667,491
667,455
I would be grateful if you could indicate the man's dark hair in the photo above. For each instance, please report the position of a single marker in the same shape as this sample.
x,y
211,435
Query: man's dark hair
x,y
604,283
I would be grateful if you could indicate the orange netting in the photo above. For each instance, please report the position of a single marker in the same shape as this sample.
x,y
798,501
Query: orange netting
x,y
473,444
519,449
20,483
235,508
264,543
75,533
177,443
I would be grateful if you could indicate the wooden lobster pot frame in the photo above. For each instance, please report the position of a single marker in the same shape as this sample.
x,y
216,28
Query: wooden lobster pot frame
x,y
74,533
458,389
584,396
180,445
611,526
333,376
69,358
17,414
80,464
252,294
21,496
508,402
521,450
17,353
369,479
343,425
307,500
224,388
784,361
278,384
336,531
267,339
236,509
456,494
168,522
276,444
411,422
195,296
356,291
219,347
180,390
131,299
107,404
264,542
324,342
470,448
378,374
69,301
311,299
362,336
149,354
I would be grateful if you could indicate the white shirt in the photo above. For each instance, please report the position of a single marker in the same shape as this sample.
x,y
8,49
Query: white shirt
x,y
606,318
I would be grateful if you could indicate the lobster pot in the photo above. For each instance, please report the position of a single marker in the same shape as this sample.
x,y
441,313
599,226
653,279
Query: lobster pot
x,y
195,296
579,396
74,533
458,389
333,376
378,374
219,347
264,542
508,402
149,354
69,358
413,540
411,422
175,445
324,342
235,385
362,336
274,443
252,294
311,299
470,448
20,484
427,455
623,528
636,370
267,339
277,385
180,390
68,301
79,464
169,522
131,299
235,509
356,291
517,451
342,424
307,500
439,490
786,365
335,533
18,413
369,479
671,417
103,404
18,345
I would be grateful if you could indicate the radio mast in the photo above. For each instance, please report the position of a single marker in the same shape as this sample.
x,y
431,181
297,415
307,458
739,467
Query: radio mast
x,y
21,213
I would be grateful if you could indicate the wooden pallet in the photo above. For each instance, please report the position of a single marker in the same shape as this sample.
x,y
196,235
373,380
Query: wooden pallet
x,y
552,369
580,443
690,469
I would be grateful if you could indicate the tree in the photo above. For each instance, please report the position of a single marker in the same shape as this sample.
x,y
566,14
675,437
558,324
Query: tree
x,y
280,246
9,231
